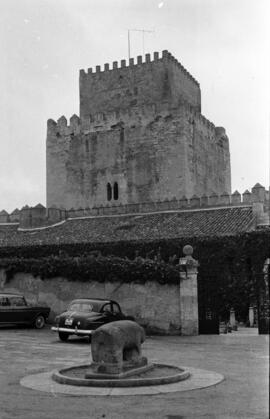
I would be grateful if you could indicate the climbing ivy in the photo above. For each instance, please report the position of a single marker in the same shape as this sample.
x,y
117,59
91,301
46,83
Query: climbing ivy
x,y
93,268
230,272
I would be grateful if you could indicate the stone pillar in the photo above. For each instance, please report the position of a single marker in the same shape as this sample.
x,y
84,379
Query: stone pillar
x,y
251,316
188,293
263,311
232,319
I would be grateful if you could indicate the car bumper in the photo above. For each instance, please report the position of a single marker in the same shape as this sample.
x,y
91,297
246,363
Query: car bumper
x,y
75,331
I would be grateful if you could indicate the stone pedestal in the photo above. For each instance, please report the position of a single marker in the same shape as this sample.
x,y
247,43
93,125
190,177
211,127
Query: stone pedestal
x,y
188,293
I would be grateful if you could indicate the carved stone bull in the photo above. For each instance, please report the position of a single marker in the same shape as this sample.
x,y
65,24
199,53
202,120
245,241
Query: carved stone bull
x,y
116,346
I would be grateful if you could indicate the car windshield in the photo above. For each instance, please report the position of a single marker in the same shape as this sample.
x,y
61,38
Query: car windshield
x,y
85,307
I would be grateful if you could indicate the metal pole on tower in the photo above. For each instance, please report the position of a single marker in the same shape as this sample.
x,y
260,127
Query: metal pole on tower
x,y
128,45
143,31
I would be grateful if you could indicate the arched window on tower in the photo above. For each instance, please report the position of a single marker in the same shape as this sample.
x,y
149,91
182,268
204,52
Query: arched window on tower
x,y
109,192
115,191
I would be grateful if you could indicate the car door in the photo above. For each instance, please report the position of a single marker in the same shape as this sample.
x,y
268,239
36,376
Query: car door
x,y
108,312
4,310
19,311
117,313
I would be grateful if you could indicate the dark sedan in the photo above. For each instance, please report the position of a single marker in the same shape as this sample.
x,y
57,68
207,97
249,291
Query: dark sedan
x,y
14,309
85,315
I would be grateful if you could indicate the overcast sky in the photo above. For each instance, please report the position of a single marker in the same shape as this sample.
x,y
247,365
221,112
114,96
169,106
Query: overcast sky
x,y
224,44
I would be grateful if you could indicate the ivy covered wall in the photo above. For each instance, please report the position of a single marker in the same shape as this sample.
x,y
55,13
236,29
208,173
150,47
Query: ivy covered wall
x,y
230,272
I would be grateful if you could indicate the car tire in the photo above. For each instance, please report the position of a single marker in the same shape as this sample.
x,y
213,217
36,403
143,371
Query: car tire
x,y
63,336
39,322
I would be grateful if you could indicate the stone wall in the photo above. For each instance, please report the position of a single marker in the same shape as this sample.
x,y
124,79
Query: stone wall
x,y
152,158
153,305
141,132
30,217
151,81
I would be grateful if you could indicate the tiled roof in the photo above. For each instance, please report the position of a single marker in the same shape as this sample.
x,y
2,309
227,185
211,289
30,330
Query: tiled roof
x,y
3,212
214,222
16,211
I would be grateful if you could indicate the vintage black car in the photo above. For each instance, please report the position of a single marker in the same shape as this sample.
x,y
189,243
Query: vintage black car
x,y
14,310
85,315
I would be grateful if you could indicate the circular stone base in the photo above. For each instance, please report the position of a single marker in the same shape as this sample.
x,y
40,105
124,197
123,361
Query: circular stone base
x,y
198,379
160,374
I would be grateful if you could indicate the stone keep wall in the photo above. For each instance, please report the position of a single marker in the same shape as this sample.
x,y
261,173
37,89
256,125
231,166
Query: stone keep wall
x,y
207,157
137,84
153,305
140,128
158,156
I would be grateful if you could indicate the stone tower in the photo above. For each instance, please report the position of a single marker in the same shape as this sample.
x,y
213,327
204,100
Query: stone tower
x,y
140,137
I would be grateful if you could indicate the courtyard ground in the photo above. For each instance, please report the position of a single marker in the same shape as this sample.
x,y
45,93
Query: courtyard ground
x,y
242,357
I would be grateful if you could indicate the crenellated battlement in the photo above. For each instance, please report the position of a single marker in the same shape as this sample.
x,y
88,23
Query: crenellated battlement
x,y
105,121
257,196
196,116
40,217
62,128
152,80
142,115
34,217
124,65
204,121
140,128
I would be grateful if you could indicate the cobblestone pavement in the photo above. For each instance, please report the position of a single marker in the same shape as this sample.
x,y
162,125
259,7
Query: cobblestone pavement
x,y
242,357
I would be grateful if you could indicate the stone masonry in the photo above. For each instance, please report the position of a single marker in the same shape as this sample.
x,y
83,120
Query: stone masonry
x,y
140,138
189,293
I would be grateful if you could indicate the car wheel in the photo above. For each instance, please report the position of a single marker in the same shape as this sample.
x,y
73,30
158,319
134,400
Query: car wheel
x,y
63,336
39,322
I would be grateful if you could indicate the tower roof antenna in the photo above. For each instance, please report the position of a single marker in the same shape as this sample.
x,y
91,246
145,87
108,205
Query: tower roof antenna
x,y
143,31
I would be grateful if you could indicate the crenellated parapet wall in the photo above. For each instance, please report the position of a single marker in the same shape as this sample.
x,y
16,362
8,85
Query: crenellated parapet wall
x,y
39,216
132,63
258,195
33,217
141,127
143,115
148,80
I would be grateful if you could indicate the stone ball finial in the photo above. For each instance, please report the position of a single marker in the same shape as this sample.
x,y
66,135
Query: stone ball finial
x,y
188,250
